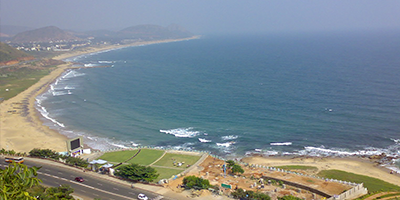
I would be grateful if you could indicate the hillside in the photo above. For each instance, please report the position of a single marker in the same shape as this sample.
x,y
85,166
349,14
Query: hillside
x,y
8,53
46,34
151,32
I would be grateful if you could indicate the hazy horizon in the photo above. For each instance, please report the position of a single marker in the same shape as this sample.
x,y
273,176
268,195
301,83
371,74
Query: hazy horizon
x,y
206,17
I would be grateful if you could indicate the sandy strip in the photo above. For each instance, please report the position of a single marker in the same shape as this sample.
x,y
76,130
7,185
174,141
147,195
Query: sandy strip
x,y
110,47
21,129
353,165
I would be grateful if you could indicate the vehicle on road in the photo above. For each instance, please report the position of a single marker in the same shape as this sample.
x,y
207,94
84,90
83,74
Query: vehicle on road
x,y
79,179
142,197
13,159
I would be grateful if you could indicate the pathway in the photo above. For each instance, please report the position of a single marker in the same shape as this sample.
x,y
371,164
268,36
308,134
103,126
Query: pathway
x,y
165,152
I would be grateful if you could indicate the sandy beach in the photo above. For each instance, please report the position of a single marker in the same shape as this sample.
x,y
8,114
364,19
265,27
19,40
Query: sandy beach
x,y
21,128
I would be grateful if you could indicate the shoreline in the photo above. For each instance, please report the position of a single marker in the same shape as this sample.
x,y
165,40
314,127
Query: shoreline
x,y
24,130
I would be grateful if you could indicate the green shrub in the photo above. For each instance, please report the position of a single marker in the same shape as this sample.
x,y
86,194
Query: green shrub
x,y
196,183
241,194
136,172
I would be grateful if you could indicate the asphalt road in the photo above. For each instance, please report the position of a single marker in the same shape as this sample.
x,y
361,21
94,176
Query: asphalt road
x,y
92,187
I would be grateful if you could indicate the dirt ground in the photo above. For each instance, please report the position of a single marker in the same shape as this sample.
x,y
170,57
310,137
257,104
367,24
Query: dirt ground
x,y
211,169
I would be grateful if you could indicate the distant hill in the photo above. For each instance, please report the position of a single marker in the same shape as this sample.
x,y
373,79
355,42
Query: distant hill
x,y
8,53
151,32
9,30
46,34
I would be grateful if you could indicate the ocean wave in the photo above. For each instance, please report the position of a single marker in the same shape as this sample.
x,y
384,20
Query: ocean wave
x,y
280,143
322,151
229,137
226,144
105,61
181,132
46,114
204,140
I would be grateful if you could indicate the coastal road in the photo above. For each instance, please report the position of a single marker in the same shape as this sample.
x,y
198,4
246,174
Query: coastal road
x,y
92,187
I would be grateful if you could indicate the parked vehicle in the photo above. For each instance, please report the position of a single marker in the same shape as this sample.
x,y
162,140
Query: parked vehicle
x,y
13,159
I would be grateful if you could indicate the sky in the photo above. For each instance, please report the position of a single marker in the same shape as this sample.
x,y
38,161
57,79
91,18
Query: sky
x,y
206,16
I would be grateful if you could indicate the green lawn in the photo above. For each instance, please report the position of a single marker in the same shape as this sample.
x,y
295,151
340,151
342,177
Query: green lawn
x,y
166,173
118,156
17,81
373,184
147,156
169,158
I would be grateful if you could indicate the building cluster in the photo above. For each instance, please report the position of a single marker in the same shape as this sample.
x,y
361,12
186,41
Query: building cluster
x,y
51,46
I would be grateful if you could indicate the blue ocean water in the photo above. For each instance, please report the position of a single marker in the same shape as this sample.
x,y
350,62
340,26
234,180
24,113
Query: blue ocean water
x,y
316,94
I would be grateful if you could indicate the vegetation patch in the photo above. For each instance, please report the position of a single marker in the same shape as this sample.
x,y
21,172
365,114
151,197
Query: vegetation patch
x,y
372,184
135,172
14,81
147,156
118,156
173,160
166,173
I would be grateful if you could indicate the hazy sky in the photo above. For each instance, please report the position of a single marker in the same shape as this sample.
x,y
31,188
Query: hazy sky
x,y
206,16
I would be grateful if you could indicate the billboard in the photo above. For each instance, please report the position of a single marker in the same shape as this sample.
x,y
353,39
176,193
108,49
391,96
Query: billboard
x,y
75,144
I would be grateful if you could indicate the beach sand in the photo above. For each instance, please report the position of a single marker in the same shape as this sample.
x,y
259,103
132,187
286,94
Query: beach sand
x,y
353,165
21,129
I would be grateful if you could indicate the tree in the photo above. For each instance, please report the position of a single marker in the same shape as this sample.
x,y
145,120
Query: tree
x,y
237,169
16,179
196,182
50,193
230,163
137,172
241,194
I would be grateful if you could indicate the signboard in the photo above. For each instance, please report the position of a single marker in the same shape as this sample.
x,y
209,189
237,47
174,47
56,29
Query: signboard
x,y
75,144
226,186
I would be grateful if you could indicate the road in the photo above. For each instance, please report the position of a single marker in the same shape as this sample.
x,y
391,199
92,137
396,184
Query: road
x,y
92,187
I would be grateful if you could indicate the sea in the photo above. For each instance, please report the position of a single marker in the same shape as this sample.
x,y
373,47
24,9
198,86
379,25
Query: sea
x,y
317,94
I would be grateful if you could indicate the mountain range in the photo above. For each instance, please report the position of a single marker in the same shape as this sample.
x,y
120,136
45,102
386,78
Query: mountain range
x,y
139,32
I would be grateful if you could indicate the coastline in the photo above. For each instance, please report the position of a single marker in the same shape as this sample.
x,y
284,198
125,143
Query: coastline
x,y
23,130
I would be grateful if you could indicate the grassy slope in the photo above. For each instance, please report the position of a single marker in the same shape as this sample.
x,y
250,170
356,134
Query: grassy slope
x,y
8,53
372,184
20,80
147,156
118,156
168,160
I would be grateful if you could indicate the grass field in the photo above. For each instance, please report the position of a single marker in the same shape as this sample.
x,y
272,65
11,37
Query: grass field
x,y
118,156
19,80
372,184
147,156
166,173
169,158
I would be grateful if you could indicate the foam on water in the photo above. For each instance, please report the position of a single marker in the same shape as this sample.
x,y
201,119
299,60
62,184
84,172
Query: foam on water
x,y
280,143
229,137
181,132
204,140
